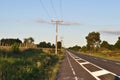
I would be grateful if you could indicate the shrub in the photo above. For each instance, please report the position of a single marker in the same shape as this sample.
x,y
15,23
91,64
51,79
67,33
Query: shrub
x,y
15,48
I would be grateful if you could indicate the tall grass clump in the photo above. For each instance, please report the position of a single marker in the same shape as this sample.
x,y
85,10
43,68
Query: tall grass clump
x,y
15,48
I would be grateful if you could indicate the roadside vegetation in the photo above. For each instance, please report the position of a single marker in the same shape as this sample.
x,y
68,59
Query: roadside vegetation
x,y
98,48
28,62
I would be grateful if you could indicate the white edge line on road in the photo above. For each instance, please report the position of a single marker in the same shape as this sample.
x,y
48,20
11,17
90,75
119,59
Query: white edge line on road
x,y
72,68
93,65
74,73
76,78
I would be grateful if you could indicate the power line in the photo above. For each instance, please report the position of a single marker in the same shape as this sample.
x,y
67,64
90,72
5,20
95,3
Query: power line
x,y
53,8
45,9
61,11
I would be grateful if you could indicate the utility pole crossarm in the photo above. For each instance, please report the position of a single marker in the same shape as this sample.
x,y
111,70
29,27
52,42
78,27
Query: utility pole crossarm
x,y
56,22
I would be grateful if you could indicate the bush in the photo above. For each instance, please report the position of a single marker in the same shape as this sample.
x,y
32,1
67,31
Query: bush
x,y
15,48
19,70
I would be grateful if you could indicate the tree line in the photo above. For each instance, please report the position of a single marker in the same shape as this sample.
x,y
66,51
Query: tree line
x,y
94,43
48,45
9,42
28,42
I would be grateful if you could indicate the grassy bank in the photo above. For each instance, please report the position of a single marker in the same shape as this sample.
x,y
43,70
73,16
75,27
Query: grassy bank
x,y
29,64
107,54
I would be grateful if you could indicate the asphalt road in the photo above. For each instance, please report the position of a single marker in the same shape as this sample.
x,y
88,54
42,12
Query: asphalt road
x,y
83,67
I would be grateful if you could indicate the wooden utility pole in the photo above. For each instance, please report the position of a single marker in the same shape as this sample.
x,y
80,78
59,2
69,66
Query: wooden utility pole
x,y
56,22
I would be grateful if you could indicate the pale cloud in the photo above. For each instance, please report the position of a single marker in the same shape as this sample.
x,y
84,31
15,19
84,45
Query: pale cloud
x,y
61,23
42,21
69,23
114,32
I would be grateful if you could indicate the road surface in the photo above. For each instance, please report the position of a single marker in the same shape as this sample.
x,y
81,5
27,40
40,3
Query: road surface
x,y
83,67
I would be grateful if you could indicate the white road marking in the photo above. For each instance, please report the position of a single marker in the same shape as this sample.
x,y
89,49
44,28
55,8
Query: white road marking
x,y
84,67
104,60
118,63
81,78
66,78
95,58
72,68
76,78
94,74
74,72
100,72
84,63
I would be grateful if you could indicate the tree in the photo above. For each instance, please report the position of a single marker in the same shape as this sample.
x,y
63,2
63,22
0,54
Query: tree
x,y
48,45
117,44
106,45
25,40
28,41
42,44
53,46
84,48
59,44
75,48
93,40
45,45
10,41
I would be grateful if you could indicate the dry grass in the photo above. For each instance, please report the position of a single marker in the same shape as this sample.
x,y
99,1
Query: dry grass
x,y
111,55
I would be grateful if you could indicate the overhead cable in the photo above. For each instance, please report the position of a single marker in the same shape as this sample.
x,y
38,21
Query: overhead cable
x,y
53,8
45,9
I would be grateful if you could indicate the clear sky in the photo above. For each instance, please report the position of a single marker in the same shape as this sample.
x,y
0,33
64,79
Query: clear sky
x,y
32,18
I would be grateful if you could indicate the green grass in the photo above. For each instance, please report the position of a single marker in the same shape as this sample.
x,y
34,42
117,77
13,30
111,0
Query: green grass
x,y
57,66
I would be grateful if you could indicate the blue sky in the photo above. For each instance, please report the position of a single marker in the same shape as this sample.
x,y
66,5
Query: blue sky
x,y
28,18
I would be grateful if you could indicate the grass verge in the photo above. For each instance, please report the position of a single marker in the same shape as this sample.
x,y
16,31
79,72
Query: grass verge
x,y
57,66
111,55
